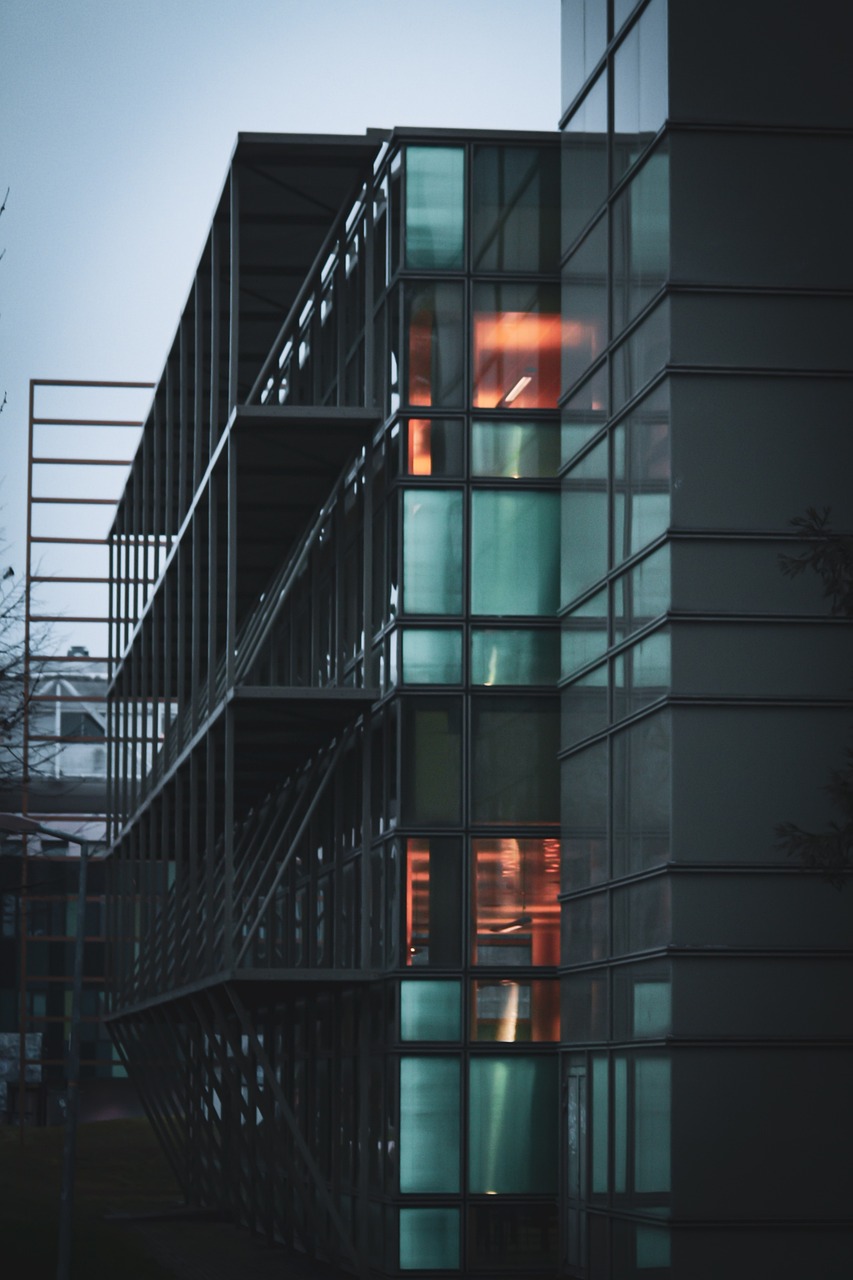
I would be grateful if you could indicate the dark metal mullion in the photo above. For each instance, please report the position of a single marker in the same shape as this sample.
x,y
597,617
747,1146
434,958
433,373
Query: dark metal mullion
x,y
234,288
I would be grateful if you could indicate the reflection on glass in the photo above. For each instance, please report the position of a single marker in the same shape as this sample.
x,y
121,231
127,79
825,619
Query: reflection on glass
x,y
641,674
584,39
434,344
514,552
584,524
599,1125
429,1238
512,1138
584,413
652,1124
517,342
585,304
429,1124
584,783
514,656
584,636
516,203
434,447
432,551
430,1010
433,894
642,774
432,657
510,1011
515,908
642,355
652,1008
585,161
640,239
435,204
584,706
639,86
642,594
515,450
514,759
642,476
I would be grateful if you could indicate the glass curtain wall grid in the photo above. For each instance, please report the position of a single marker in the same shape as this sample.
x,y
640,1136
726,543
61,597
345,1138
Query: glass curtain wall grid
x,y
337,857
704,697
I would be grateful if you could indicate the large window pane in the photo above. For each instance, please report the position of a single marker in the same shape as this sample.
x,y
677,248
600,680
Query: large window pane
x,y
512,1135
514,760
642,794
584,634
429,1124
585,304
514,656
516,915
584,413
585,161
641,356
434,447
584,781
584,38
432,760
517,341
652,1125
435,205
640,240
639,86
434,345
515,450
642,594
584,531
433,927
515,550
516,209
432,551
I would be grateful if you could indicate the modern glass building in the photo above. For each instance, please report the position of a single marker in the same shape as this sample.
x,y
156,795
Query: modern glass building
x,y
458,693
707,397
335,778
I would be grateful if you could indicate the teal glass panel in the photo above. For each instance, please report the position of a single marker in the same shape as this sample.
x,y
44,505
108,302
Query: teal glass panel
x,y
640,240
652,1008
435,207
516,209
432,551
652,1124
584,635
430,1010
599,1126
653,1247
642,674
514,656
641,476
642,594
584,706
584,525
432,656
429,1239
515,552
429,1124
637,360
620,1124
515,450
512,1135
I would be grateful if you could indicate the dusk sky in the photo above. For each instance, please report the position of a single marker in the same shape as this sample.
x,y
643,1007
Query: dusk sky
x,y
117,120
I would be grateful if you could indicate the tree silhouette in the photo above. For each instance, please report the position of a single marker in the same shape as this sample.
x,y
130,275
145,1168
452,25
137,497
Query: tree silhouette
x,y
830,556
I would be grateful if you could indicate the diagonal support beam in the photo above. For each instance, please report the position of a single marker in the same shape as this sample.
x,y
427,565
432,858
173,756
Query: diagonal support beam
x,y
321,1190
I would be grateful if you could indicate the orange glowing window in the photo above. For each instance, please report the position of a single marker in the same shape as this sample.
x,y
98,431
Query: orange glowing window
x,y
516,359
420,447
516,912
417,903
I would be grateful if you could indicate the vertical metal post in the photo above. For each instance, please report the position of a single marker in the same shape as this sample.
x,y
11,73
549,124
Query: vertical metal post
x,y
63,1269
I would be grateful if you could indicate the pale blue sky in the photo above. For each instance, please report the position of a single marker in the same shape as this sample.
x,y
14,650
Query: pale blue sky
x,y
117,119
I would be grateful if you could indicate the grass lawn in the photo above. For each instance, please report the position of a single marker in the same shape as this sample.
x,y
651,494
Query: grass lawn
x,y
120,1168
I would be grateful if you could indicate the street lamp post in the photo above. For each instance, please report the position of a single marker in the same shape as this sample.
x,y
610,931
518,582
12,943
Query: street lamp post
x,y
15,823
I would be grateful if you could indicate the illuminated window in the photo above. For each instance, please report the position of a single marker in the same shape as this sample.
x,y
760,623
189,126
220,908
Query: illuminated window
x,y
506,1010
517,346
433,893
515,908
